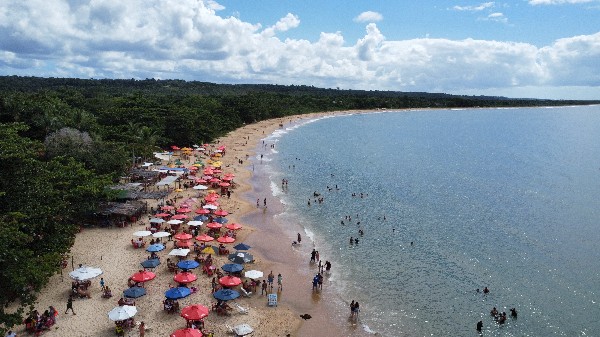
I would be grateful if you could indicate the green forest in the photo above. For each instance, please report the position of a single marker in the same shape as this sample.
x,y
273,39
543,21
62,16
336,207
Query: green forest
x,y
63,140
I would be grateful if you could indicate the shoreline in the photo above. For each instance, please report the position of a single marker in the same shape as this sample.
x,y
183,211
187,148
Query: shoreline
x,y
110,249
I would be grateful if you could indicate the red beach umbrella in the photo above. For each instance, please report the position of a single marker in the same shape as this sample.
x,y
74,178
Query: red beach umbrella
x,y
183,244
184,210
224,184
175,147
204,238
194,312
226,178
230,281
226,239
143,276
183,236
167,208
233,226
221,213
188,332
202,211
214,180
185,277
179,216
214,225
162,215
200,181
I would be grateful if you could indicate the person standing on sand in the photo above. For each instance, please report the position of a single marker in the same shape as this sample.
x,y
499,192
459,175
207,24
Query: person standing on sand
x,y
70,305
299,238
142,329
279,282
264,287
270,279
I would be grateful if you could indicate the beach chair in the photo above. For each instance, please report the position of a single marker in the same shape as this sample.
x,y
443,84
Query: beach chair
x,y
242,309
245,292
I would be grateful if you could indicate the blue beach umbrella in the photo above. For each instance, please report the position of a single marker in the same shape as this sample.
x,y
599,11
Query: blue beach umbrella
x,y
241,246
134,292
176,293
157,247
221,220
226,294
188,264
201,218
232,267
151,263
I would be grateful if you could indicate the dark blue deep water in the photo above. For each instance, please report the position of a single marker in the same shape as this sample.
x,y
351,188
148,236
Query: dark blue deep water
x,y
503,198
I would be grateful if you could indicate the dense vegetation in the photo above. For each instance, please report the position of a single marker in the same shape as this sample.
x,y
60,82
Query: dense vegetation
x,y
63,140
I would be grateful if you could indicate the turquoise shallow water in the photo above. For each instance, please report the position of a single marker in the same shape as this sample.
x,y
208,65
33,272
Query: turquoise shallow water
x,y
503,198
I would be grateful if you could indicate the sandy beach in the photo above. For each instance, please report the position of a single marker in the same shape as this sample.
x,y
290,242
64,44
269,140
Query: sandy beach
x,y
111,250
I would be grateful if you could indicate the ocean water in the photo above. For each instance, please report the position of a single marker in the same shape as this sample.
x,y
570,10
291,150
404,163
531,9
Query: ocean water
x,y
452,201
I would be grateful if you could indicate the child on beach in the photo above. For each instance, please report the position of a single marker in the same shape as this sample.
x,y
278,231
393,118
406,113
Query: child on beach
x,y
264,288
279,282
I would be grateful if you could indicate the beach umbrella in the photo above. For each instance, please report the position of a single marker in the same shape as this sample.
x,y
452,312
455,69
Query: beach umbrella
x,y
254,274
227,178
85,273
174,222
188,332
142,233
185,277
179,252
156,220
232,267
122,313
161,234
240,257
179,216
210,206
230,281
188,264
183,244
206,177
204,238
221,213
226,239
201,217
202,211
167,208
162,215
200,187
234,226
221,220
183,236
134,292
150,263
242,246
157,247
184,210
213,225
176,293
143,276
224,184
194,312
195,223
226,294
242,330
210,250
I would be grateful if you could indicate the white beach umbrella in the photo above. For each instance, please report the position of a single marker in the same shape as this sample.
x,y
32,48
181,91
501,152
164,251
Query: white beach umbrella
x,y
242,330
161,234
195,223
210,206
122,313
200,187
142,233
157,220
179,252
174,222
254,274
85,273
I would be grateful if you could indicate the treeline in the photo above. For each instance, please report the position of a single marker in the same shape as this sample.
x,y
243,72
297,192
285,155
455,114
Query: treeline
x,y
63,140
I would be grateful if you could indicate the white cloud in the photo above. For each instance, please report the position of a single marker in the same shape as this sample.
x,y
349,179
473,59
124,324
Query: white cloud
x,y
368,16
497,17
558,2
475,8
187,39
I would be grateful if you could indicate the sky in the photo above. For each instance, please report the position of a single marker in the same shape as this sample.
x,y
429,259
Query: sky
x,y
517,48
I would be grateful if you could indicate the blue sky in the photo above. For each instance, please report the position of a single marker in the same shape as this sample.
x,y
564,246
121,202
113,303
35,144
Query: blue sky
x,y
518,48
